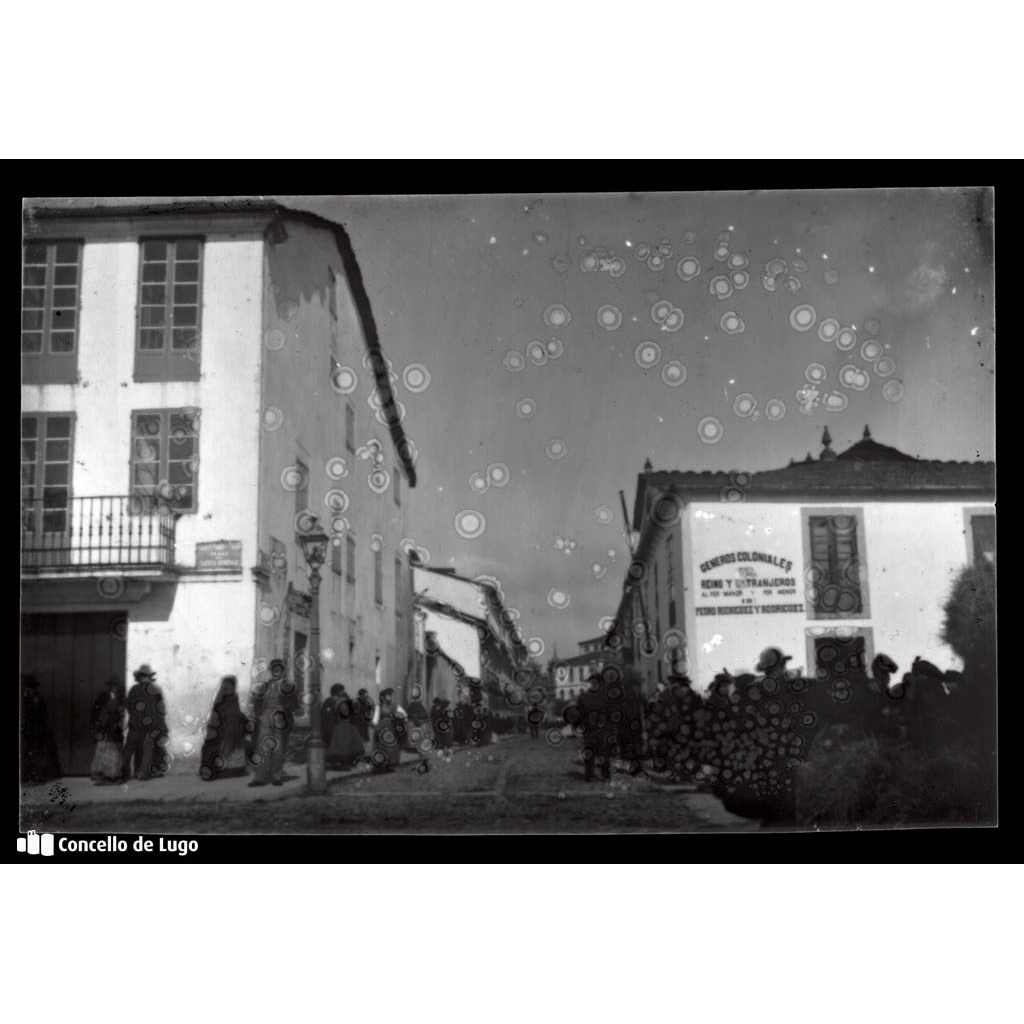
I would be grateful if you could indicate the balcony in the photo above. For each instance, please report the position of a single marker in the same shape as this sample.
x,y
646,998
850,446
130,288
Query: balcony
x,y
114,532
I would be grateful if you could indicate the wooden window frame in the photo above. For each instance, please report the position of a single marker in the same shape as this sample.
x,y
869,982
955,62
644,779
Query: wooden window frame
x,y
47,366
812,635
168,363
165,415
857,514
39,484
970,514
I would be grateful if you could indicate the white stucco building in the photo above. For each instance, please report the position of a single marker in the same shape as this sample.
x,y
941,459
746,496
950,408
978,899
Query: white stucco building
x,y
862,546
198,378
570,675
465,637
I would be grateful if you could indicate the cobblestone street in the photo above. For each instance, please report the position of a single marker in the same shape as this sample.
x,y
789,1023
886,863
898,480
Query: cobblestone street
x,y
517,785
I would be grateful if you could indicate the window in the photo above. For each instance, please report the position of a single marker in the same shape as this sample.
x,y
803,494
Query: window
x,y
378,576
165,459
397,477
398,585
350,550
336,557
46,460
983,537
835,566
168,318
350,427
50,280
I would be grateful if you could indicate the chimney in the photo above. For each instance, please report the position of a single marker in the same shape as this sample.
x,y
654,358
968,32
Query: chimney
x,y
827,455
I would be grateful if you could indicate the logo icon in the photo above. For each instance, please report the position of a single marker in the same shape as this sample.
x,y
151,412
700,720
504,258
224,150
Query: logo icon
x,y
35,844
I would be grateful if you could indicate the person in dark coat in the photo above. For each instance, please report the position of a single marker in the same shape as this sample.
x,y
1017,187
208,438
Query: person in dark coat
x,y
145,750
227,731
598,729
107,719
344,743
389,732
460,724
275,700
417,712
329,712
631,728
39,759
441,721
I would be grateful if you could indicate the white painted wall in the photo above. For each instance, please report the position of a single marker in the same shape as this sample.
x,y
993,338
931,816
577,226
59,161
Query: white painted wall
x,y
459,640
913,552
296,383
194,630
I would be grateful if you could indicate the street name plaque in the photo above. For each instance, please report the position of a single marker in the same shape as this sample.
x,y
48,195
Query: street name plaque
x,y
219,556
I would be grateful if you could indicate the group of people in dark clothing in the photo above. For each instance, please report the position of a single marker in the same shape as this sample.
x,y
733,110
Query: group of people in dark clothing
x,y
132,739
130,730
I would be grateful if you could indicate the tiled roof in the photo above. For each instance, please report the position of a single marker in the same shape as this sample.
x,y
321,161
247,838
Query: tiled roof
x,y
582,659
866,468
841,474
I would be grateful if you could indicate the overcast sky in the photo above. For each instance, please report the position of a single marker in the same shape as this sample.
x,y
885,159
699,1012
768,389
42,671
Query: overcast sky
x,y
457,282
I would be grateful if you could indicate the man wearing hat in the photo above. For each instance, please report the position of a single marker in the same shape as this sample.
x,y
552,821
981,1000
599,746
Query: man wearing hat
x,y
144,749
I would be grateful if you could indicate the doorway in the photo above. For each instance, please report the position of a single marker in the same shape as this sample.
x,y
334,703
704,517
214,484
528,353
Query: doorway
x,y
300,673
73,655
839,656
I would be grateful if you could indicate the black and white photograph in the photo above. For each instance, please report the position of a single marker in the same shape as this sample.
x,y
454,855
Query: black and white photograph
x,y
508,513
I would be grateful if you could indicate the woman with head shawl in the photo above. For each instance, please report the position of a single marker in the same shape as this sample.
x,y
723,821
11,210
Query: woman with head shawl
x,y
107,719
38,746
227,730
344,744
389,732
275,700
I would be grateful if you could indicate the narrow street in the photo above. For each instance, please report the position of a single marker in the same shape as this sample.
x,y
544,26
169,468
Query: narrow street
x,y
517,785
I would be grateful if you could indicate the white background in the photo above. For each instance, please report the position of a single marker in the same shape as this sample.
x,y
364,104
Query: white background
x,y
651,944
537,78
559,942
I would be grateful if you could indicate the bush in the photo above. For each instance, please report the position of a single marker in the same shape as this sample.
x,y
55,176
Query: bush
x,y
970,624
865,783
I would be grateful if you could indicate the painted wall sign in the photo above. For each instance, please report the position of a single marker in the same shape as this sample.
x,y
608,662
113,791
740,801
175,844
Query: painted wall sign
x,y
751,581
219,556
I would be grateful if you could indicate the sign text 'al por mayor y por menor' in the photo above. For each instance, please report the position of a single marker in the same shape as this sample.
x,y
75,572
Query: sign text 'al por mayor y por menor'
x,y
745,583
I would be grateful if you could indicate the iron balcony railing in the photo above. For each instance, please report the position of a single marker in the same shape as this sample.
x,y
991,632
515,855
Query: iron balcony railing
x,y
112,531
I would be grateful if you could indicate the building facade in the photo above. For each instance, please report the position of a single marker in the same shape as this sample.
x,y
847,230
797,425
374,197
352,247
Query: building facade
x,y
466,640
862,546
571,675
200,380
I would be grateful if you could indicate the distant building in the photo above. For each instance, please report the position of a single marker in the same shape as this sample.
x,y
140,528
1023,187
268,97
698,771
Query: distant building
x,y
570,675
467,643
198,378
862,545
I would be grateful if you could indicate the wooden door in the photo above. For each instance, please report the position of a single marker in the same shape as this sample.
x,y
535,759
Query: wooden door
x,y
72,655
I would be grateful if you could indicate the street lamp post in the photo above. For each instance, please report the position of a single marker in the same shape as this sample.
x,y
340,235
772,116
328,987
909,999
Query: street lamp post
x,y
314,548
